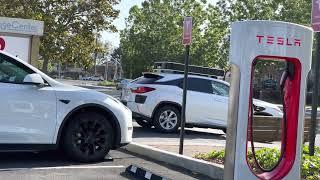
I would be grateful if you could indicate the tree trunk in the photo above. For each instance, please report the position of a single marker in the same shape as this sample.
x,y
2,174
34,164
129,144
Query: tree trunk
x,y
45,66
115,70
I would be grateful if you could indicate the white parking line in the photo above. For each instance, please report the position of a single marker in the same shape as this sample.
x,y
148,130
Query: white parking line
x,y
63,167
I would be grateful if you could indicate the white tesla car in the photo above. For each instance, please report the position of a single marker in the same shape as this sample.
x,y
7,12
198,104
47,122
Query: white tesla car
x,y
39,113
156,99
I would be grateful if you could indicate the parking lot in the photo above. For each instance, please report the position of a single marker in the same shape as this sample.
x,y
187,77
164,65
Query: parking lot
x,y
197,140
53,165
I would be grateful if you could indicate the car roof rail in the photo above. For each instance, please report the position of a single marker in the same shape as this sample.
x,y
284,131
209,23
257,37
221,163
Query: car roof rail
x,y
178,68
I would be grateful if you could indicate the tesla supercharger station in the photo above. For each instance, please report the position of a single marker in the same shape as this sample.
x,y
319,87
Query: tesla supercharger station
x,y
267,40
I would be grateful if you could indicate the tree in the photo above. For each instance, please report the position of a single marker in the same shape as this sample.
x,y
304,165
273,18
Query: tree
x,y
294,11
116,59
154,33
70,26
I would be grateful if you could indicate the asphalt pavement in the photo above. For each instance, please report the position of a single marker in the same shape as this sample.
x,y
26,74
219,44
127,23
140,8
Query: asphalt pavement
x,y
54,165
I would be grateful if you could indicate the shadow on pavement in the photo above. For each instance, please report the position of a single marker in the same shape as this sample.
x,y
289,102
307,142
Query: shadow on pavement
x,y
127,175
13,160
169,166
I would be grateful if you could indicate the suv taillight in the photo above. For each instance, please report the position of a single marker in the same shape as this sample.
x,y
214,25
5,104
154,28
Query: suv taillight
x,y
141,90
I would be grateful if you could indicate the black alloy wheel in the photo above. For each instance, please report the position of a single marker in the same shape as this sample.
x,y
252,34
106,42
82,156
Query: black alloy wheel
x,y
88,137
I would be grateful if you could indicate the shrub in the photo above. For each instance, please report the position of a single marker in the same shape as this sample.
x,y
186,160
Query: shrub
x,y
268,157
310,166
216,156
106,83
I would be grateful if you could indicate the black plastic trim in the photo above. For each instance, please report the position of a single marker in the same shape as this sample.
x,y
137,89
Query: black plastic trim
x,y
140,99
137,115
27,147
64,101
124,103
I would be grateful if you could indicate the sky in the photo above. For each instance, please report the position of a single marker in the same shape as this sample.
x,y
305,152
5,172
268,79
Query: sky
x,y
124,7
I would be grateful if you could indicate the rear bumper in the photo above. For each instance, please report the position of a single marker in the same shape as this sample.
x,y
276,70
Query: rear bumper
x,y
136,110
141,109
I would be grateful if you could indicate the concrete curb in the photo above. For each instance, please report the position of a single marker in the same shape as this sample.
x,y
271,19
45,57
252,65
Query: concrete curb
x,y
212,170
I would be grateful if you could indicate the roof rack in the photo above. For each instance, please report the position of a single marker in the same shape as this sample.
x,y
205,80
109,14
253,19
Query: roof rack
x,y
178,68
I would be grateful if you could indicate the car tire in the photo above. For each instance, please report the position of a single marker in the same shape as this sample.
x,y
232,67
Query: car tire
x,y
167,119
143,123
88,137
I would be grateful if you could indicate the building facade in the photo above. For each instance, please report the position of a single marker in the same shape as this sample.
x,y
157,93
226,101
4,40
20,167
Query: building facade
x,y
21,38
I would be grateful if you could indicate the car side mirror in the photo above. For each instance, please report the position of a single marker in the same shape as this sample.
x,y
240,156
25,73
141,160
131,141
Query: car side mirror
x,y
35,79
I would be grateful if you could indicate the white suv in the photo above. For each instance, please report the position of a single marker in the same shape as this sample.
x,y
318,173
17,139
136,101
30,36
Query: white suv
x,y
39,113
156,99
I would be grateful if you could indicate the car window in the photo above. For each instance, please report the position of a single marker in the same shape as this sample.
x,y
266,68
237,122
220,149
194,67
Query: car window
x,y
175,82
220,88
147,79
12,71
200,85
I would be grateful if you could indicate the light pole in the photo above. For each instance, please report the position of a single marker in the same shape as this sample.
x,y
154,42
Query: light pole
x,y
106,68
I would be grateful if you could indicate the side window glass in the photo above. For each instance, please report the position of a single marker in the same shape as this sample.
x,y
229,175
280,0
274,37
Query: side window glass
x,y
176,82
200,85
179,83
12,71
220,89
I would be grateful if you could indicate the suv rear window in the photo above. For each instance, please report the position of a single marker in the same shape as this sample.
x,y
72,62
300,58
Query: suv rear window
x,y
147,79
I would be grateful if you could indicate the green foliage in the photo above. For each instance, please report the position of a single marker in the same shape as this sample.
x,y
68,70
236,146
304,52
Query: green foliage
x,y
268,158
310,166
107,83
212,155
70,27
294,11
154,33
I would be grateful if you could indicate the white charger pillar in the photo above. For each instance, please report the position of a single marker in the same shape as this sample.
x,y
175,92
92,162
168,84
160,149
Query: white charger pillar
x,y
266,40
